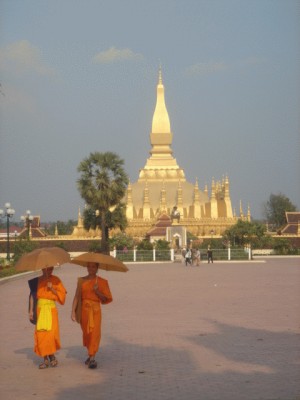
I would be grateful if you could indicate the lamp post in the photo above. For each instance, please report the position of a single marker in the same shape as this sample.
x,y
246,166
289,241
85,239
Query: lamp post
x,y
27,219
8,213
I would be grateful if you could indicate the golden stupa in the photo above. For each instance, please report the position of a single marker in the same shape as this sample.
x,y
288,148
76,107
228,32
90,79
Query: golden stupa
x,y
162,188
162,185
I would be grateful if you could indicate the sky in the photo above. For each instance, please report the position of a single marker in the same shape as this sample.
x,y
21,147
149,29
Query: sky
x,y
80,76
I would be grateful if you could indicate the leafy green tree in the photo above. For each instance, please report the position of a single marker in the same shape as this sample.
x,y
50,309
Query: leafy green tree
x,y
213,243
122,241
275,208
162,244
282,246
117,217
113,219
102,185
244,232
145,244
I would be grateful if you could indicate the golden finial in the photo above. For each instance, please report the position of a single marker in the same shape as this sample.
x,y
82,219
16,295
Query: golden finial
x,y
159,75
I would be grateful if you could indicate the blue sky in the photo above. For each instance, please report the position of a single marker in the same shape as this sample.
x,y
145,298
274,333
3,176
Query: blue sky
x,y
79,76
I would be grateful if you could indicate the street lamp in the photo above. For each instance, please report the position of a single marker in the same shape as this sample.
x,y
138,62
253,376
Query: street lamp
x,y
8,213
27,219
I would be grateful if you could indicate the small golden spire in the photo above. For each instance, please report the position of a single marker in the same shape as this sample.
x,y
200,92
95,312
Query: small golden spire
x,y
241,209
249,213
196,192
213,189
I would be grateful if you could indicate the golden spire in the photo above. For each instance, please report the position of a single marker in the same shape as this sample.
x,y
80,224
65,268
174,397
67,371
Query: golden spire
x,y
241,210
161,164
227,187
161,120
196,192
213,189
249,213
129,193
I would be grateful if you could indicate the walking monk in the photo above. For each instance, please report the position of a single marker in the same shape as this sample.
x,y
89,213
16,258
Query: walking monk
x,y
91,292
44,292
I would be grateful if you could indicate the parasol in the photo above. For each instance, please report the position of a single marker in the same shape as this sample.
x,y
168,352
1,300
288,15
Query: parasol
x,y
43,258
108,263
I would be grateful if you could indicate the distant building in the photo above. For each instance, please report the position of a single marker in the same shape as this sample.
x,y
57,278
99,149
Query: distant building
x,y
14,232
34,230
292,228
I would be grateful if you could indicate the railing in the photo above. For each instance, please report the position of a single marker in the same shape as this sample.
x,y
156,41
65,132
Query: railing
x,y
144,255
171,255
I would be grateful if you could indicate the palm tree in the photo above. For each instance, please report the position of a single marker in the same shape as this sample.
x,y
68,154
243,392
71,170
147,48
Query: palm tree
x,y
102,185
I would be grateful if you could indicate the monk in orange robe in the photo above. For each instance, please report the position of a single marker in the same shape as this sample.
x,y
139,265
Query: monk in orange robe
x,y
49,289
92,291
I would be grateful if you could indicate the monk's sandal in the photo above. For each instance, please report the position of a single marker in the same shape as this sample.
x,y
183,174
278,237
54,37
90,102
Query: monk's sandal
x,y
53,361
44,364
93,364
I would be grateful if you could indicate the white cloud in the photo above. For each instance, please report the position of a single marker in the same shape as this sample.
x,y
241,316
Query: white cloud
x,y
206,68
114,55
22,56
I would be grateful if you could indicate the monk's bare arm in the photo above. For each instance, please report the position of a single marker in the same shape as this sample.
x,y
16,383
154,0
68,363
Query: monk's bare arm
x,y
74,305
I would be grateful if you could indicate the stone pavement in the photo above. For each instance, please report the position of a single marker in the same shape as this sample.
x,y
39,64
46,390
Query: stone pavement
x,y
222,331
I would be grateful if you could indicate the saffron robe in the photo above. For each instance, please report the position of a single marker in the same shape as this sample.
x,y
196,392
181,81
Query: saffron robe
x,y
91,315
48,342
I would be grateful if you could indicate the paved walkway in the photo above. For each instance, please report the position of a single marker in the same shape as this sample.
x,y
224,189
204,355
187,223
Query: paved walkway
x,y
222,331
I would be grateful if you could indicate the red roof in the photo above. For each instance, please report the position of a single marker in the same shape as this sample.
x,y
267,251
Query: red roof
x,y
160,228
293,222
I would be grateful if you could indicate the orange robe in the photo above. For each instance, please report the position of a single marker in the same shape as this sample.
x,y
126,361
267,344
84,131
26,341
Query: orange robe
x,y
91,313
48,342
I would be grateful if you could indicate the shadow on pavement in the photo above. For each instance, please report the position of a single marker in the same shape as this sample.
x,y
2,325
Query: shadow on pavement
x,y
248,368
